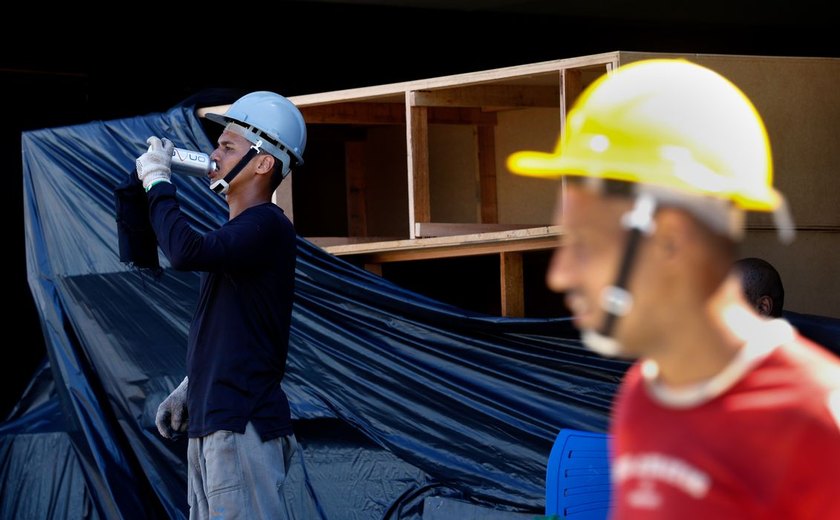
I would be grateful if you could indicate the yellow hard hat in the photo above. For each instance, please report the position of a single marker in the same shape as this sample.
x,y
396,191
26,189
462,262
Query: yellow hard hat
x,y
669,123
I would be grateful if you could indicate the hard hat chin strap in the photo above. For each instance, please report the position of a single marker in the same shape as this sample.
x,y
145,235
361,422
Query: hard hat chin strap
x,y
268,145
616,300
220,186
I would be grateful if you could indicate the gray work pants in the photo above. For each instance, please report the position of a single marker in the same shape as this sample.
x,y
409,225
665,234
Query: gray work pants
x,y
238,476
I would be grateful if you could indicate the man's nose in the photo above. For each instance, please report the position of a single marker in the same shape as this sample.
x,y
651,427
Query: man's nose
x,y
558,275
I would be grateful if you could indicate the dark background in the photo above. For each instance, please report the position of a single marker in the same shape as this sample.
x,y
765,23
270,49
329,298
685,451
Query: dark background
x,y
63,68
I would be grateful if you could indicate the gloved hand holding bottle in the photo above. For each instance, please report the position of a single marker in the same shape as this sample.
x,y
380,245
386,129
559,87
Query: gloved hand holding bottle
x,y
154,166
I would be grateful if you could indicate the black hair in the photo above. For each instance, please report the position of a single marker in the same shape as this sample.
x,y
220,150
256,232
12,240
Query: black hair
x,y
759,278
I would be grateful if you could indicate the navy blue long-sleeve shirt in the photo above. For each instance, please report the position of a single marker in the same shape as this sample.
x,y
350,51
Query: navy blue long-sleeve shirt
x,y
238,339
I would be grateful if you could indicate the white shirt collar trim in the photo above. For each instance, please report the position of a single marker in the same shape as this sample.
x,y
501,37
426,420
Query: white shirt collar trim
x,y
759,344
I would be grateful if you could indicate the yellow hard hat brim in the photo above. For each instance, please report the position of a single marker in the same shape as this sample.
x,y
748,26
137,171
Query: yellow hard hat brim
x,y
537,164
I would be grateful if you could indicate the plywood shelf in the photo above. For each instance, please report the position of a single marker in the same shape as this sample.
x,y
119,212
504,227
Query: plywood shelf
x,y
516,240
416,170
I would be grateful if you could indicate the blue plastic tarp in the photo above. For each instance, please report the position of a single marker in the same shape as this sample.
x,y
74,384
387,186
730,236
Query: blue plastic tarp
x,y
397,398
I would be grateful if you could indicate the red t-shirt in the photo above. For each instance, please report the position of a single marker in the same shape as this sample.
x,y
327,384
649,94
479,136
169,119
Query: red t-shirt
x,y
759,440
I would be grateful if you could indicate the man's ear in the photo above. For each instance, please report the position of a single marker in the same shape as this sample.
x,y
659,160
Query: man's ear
x,y
764,305
671,231
265,163
692,250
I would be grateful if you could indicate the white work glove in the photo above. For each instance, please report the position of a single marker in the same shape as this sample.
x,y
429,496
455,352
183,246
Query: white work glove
x,y
172,417
155,165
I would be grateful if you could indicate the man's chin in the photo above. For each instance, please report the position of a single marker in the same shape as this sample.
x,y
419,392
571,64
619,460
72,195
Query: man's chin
x,y
600,344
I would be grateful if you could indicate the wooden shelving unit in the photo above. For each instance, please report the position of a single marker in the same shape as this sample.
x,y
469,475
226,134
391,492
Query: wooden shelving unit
x,y
416,170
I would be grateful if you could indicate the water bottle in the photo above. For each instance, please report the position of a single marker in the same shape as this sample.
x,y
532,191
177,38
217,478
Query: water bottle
x,y
189,162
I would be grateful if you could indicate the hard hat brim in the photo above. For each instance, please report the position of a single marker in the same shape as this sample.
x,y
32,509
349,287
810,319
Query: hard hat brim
x,y
555,166
217,118
538,164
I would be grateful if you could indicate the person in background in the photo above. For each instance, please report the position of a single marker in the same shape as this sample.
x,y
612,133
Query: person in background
x,y
763,288
762,285
723,413
231,403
